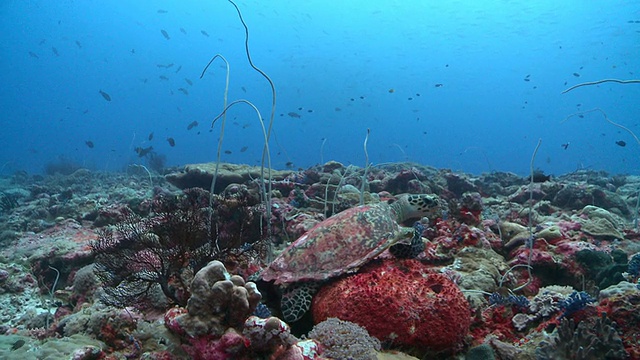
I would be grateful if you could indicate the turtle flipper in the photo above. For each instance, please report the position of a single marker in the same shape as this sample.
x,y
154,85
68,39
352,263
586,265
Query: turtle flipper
x,y
414,248
296,300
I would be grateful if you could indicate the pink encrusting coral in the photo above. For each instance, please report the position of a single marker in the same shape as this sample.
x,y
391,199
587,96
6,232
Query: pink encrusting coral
x,y
400,302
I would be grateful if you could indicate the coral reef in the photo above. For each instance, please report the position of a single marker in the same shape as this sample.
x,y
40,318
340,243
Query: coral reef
x,y
582,234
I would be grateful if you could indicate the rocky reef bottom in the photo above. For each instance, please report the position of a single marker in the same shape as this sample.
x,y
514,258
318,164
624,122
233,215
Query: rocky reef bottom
x,y
153,266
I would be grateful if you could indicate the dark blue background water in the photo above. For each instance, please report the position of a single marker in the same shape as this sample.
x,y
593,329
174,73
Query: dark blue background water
x,y
343,66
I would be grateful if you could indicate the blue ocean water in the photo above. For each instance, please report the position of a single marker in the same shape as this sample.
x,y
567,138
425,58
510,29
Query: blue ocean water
x,y
466,85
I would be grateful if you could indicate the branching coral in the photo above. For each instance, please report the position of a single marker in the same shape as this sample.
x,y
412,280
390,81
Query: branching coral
x,y
586,341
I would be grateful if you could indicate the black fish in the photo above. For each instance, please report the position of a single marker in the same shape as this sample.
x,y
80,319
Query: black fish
x,y
151,136
227,152
244,148
17,345
105,95
294,115
179,68
142,152
89,144
33,55
204,33
539,177
621,143
192,125
79,45
565,146
576,74
184,91
55,51
165,34
188,81
172,142
439,85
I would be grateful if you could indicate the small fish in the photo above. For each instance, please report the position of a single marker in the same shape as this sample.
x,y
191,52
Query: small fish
x,y
204,33
527,79
162,11
576,74
243,89
439,85
244,148
55,51
17,345
151,136
227,152
565,145
391,91
89,144
179,68
162,77
621,143
188,81
165,34
142,152
105,95
79,45
192,125
337,109
289,165
169,65
539,177
172,142
133,51
33,55
294,115
182,30
184,91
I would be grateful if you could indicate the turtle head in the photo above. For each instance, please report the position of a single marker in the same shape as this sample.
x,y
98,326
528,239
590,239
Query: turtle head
x,y
411,206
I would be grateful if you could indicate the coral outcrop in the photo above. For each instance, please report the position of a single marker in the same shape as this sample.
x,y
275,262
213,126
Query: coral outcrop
x,y
218,301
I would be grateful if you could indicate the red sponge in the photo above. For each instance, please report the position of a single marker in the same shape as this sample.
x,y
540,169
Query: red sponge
x,y
400,302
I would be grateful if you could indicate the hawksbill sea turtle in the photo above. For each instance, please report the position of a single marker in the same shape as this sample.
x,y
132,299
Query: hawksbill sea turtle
x,y
344,242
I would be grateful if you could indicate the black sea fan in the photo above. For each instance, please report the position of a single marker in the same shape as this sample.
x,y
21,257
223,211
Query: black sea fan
x,y
163,251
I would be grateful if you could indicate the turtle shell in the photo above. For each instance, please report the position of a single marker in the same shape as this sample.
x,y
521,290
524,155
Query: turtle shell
x,y
338,245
